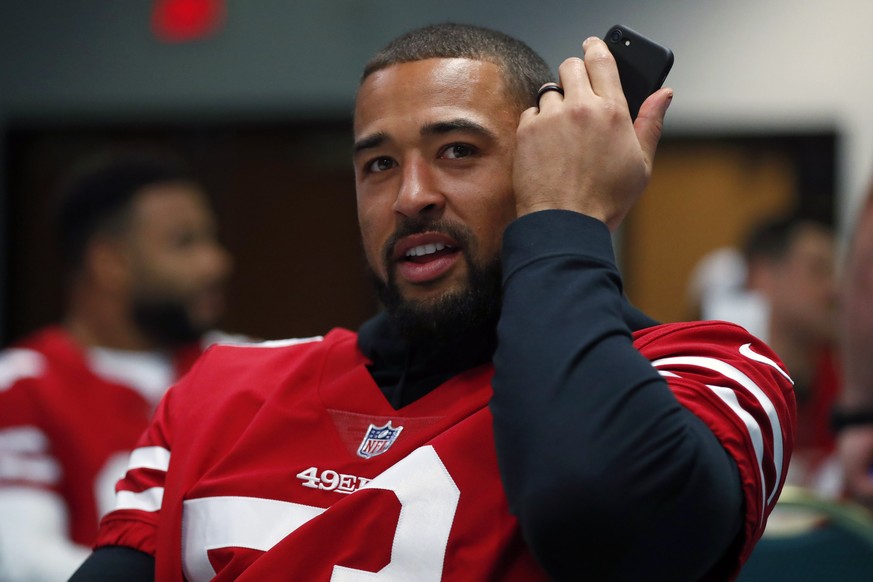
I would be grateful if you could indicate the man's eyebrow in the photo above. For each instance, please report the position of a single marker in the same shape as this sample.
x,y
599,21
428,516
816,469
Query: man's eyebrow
x,y
460,124
369,142
430,129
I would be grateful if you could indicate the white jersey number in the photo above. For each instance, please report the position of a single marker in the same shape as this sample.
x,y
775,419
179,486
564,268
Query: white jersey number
x,y
428,497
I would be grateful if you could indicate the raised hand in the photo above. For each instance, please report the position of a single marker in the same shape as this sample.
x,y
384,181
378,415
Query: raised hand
x,y
580,151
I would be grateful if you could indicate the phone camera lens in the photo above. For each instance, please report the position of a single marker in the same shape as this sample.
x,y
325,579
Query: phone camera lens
x,y
615,35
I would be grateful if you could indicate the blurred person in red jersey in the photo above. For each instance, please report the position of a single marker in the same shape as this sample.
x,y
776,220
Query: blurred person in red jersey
x,y
145,288
853,415
791,274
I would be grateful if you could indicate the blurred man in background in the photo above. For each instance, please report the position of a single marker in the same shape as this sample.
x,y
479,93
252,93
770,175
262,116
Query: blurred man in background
x,y
791,273
853,417
145,283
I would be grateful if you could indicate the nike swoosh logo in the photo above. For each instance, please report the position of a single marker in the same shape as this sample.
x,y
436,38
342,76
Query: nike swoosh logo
x,y
746,350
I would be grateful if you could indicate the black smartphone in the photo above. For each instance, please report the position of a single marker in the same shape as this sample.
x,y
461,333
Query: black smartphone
x,y
642,63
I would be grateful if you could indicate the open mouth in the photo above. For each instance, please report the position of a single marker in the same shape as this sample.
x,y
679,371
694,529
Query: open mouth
x,y
425,257
428,252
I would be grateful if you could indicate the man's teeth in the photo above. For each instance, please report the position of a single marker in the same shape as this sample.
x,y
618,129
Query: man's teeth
x,y
422,250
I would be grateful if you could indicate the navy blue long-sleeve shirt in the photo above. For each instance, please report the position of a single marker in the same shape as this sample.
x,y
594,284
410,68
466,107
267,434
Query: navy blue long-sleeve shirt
x,y
610,477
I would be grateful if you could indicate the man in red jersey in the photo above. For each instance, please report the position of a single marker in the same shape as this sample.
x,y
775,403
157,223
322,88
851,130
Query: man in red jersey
x,y
792,270
146,277
510,416
853,414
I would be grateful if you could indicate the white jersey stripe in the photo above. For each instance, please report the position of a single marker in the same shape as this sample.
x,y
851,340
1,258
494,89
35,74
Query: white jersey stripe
x,y
277,343
743,380
17,364
41,469
149,500
23,456
23,440
247,522
746,350
729,397
149,458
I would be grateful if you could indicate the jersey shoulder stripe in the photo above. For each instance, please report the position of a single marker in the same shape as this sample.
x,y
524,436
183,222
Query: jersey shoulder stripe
x,y
149,500
19,363
157,458
738,386
268,344
25,457
738,379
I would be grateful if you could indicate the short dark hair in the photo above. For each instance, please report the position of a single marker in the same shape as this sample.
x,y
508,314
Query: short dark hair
x,y
95,197
523,69
771,239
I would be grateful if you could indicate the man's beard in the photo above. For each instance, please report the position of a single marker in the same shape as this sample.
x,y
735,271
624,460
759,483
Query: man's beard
x,y
165,321
475,305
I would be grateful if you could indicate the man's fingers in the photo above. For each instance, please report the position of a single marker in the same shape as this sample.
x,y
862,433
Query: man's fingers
x,y
650,121
602,70
580,152
574,80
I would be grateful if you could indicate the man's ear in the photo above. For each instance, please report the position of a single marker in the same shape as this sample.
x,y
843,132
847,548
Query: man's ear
x,y
760,276
108,264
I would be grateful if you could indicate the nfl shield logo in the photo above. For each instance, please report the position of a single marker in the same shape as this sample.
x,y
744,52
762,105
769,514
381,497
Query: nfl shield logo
x,y
378,440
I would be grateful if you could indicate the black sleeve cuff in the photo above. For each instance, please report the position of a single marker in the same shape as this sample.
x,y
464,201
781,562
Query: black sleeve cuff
x,y
551,233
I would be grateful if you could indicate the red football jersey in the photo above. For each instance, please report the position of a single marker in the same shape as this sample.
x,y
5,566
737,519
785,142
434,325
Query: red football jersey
x,y
65,428
285,457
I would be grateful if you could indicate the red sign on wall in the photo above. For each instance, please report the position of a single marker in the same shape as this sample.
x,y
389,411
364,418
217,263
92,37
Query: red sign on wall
x,y
186,20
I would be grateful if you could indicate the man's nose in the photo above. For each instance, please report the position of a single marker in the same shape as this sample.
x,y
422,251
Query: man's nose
x,y
216,260
418,192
